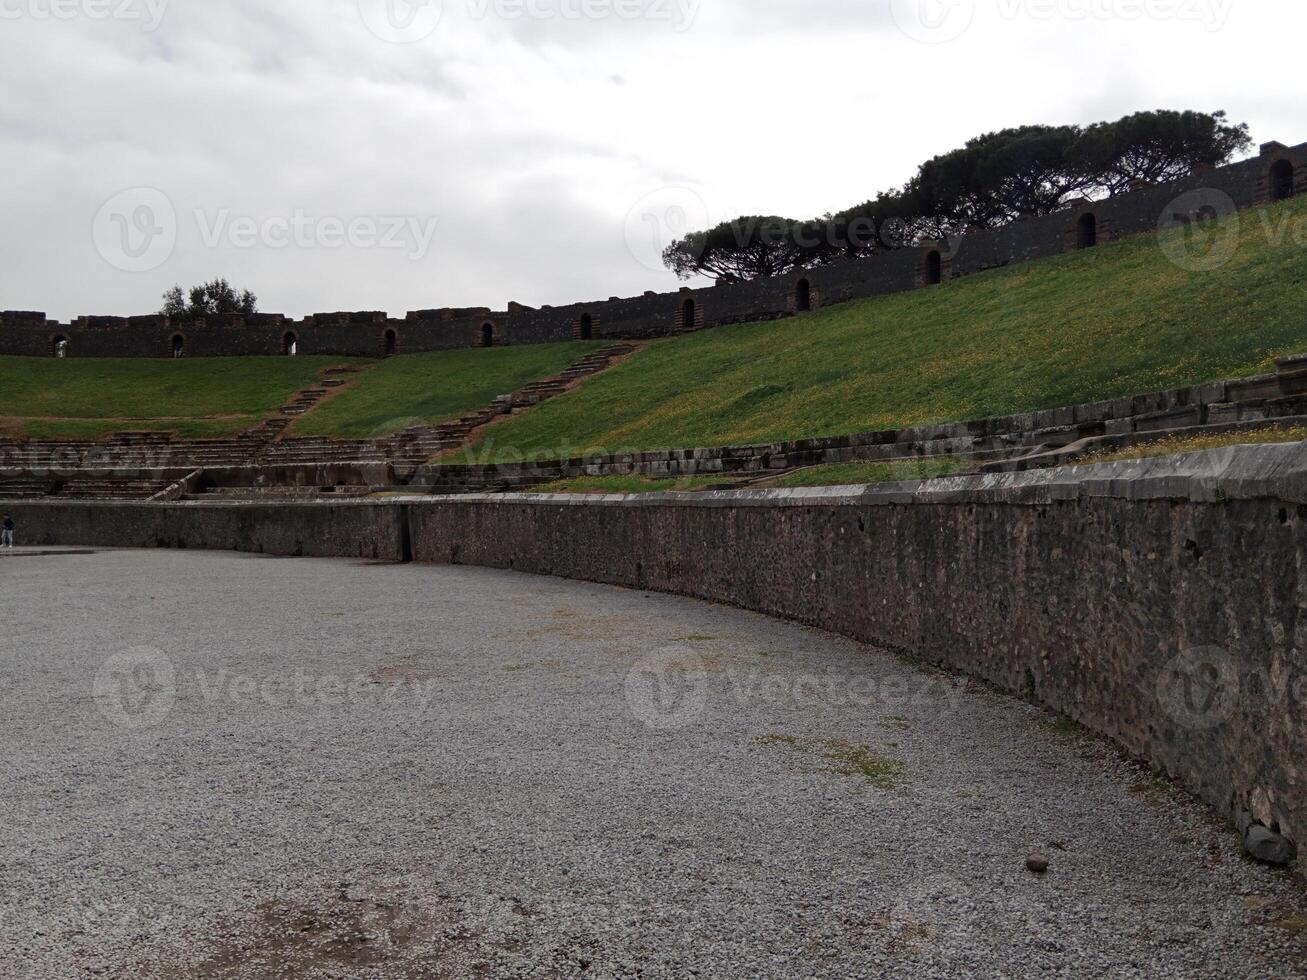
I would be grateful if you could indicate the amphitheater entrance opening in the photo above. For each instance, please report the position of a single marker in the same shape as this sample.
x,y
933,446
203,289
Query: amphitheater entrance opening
x,y
587,327
934,268
390,343
1087,231
803,296
290,345
59,346
487,335
1282,180
177,346
689,314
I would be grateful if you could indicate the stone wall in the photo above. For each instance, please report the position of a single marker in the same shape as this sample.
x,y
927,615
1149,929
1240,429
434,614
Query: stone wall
x,y
1112,594
375,334
360,529
1158,602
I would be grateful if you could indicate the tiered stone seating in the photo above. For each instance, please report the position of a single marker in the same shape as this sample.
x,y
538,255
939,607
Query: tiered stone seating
x,y
113,488
126,464
318,450
217,452
44,456
281,493
20,485
414,446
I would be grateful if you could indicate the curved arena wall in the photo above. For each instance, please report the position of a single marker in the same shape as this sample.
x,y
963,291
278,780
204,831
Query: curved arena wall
x,y
1160,603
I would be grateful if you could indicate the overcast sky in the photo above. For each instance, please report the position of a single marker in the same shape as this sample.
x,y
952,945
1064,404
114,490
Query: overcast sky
x,y
373,154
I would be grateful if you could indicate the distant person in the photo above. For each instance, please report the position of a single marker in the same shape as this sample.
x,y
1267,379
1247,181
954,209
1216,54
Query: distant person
x,y
7,532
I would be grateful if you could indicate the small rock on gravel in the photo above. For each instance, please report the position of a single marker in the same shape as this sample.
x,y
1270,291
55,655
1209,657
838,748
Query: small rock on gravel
x,y
1268,846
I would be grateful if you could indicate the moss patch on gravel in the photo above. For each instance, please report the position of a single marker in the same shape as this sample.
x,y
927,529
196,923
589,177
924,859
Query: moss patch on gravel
x,y
1153,790
1066,728
845,758
1295,925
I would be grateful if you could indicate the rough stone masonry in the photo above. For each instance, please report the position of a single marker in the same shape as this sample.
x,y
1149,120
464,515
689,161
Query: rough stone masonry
x,y
1157,602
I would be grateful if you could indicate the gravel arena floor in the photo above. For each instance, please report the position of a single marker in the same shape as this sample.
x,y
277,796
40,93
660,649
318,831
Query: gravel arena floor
x,y
229,766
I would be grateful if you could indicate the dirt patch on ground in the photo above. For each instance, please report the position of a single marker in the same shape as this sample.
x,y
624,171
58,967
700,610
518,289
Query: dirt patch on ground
x,y
353,930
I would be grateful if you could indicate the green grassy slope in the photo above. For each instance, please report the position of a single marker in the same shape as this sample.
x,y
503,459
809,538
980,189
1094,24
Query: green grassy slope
x,y
87,398
1119,319
203,397
435,387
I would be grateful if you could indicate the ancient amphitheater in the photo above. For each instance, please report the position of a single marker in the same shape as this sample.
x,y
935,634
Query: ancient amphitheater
x,y
326,706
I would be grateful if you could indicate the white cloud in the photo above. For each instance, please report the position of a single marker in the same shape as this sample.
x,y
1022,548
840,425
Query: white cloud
x,y
529,139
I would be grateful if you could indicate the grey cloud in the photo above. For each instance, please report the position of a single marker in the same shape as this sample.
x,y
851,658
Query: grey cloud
x,y
528,141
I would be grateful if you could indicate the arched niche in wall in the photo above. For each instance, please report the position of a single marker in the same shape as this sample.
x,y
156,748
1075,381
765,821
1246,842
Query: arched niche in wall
x,y
587,327
689,314
1281,180
59,346
1087,230
390,343
802,296
934,267
177,346
290,344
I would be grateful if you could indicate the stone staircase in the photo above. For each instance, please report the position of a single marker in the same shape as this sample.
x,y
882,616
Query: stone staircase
x,y
300,404
414,446
126,463
540,391
130,464
1043,438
